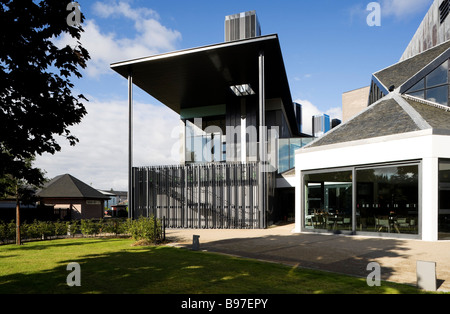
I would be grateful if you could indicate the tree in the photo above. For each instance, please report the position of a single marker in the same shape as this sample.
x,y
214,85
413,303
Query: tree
x,y
21,192
36,100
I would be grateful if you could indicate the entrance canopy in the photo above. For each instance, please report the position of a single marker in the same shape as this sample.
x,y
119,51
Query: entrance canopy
x,y
205,76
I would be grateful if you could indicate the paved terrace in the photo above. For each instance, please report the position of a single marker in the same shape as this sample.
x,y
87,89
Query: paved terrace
x,y
336,253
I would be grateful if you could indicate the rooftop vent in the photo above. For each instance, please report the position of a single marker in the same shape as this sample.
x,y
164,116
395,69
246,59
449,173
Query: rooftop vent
x,y
242,26
444,10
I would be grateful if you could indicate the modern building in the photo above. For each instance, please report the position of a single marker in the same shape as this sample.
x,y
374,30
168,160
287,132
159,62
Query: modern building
x,y
235,110
434,30
385,171
354,101
320,125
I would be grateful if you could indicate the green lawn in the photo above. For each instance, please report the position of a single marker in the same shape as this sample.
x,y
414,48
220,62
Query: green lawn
x,y
115,266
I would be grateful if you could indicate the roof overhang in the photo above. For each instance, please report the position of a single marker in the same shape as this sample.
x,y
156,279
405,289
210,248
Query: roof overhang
x,y
203,76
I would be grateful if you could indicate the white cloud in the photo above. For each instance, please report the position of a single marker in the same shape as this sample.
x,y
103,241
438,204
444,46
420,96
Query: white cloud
x,y
403,8
399,9
101,156
151,37
113,8
309,110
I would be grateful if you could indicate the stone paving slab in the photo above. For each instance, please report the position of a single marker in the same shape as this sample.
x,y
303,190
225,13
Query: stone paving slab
x,y
336,253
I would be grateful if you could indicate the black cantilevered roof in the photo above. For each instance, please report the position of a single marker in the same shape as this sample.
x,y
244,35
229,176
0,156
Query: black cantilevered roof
x,y
202,76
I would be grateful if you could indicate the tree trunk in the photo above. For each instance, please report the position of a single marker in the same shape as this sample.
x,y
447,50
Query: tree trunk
x,y
18,239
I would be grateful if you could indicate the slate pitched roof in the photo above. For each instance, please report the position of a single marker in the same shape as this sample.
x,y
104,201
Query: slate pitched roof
x,y
399,73
391,115
67,186
438,118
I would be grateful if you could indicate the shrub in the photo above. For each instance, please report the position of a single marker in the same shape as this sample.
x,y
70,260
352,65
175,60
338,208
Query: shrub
x,y
7,231
89,227
37,229
60,227
115,226
148,229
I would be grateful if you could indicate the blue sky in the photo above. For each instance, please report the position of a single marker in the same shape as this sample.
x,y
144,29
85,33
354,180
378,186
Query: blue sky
x,y
328,49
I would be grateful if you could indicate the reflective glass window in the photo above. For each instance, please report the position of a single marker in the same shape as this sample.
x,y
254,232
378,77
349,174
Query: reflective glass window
x,y
438,95
418,86
283,155
295,143
387,199
420,94
444,201
434,87
328,201
205,141
439,76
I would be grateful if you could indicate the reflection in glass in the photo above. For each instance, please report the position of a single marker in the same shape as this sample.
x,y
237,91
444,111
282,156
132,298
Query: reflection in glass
x,y
283,155
444,201
205,141
434,87
286,151
439,76
419,86
328,201
438,95
387,199
420,94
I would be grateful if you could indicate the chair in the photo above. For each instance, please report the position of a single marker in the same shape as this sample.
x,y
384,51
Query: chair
x,y
347,222
318,221
382,223
331,222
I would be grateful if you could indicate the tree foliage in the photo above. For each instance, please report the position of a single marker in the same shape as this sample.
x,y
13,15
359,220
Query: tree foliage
x,y
37,103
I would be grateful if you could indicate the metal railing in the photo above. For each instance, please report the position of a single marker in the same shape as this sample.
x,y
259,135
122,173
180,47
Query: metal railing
x,y
213,196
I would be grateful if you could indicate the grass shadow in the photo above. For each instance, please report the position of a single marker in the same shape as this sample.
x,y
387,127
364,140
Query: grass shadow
x,y
168,270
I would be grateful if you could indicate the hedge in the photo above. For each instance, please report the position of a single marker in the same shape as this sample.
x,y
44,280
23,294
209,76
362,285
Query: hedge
x,y
147,229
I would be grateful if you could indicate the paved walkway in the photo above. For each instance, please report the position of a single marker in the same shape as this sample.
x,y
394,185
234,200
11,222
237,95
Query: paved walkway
x,y
335,253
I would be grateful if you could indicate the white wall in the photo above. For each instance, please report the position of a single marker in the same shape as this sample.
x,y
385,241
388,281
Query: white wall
x,y
420,145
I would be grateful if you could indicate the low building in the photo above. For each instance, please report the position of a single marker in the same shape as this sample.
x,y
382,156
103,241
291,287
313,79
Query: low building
x,y
386,171
73,198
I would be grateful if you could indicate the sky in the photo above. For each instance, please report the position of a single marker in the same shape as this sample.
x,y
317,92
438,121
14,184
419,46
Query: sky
x,y
328,49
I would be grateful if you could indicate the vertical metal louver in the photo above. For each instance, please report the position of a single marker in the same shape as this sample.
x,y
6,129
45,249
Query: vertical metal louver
x,y
444,10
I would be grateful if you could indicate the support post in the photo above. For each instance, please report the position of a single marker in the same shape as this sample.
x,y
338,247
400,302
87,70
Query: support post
x,y
130,146
262,140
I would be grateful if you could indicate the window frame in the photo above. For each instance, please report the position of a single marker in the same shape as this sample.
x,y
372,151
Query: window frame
x,y
426,88
354,170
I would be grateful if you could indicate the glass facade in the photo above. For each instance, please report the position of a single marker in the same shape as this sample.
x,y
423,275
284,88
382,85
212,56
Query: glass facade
x,y
328,201
387,199
382,199
444,200
433,87
286,151
205,142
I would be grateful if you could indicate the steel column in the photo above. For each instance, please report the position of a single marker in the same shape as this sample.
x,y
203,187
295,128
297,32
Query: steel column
x,y
262,140
130,146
